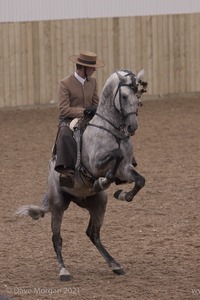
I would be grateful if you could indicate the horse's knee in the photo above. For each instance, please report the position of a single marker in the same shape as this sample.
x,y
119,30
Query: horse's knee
x,y
140,181
117,154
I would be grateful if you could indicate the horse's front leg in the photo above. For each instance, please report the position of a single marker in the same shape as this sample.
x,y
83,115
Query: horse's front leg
x,y
139,184
103,183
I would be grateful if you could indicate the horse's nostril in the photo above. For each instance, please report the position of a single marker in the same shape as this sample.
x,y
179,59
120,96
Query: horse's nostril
x,y
132,129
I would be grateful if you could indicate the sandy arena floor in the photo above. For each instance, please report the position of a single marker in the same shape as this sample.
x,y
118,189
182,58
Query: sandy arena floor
x,y
156,237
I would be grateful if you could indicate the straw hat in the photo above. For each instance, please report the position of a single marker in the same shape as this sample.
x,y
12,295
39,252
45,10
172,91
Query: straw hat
x,y
88,59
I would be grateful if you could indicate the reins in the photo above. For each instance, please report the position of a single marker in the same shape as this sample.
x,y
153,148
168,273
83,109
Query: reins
x,y
117,137
121,136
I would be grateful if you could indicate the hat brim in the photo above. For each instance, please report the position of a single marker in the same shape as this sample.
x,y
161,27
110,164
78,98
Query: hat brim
x,y
98,64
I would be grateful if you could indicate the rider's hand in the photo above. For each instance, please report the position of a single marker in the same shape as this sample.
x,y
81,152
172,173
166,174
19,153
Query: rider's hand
x,y
90,111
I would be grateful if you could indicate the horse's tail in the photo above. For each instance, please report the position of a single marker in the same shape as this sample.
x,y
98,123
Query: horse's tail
x,y
35,212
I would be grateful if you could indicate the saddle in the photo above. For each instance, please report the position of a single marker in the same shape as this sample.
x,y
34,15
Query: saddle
x,y
78,127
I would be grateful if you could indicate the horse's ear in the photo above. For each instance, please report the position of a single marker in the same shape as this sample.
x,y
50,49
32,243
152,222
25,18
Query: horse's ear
x,y
121,77
140,75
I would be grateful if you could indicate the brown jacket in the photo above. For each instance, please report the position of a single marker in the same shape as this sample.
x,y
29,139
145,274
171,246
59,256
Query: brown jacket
x,y
75,97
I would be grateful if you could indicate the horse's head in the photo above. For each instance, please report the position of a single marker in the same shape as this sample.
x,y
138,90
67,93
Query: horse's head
x,y
126,97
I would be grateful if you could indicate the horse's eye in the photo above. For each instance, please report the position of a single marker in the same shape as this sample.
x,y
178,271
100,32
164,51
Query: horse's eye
x,y
124,97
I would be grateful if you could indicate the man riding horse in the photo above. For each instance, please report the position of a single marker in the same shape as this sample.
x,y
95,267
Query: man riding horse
x,y
77,97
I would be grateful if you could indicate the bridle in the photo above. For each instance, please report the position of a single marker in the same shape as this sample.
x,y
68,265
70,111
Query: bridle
x,y
133,86
121,134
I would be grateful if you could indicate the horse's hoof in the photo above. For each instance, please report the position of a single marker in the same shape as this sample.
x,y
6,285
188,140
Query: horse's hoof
x,y
64,275
129,197
119,271
120,195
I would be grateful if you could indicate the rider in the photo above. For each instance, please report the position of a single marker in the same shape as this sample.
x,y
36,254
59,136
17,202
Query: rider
x,y
77,96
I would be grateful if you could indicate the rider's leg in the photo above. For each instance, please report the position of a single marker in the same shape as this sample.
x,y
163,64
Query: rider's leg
x,y
66,156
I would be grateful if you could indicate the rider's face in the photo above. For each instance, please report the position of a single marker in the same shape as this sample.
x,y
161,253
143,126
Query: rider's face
x,y
90,70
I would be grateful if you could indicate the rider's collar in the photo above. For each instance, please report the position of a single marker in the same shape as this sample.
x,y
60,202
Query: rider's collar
x,y
82,80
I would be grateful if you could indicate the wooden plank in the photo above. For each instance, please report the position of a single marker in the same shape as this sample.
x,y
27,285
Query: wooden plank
x,y
155,79
42,74
104,53
87,35
75,39
24,69
12,63
165,43
176,54
182,78
30,62
149,67
144,59
121,44
99,74
59,49
82,34
159,42
195,47
197,52
171,54
71,49
116,43
110,63
18,62
187,53
54,78
1,69
192,52
6,65
48,77
138,43
92,37
65,48
132,43
36,66
126,48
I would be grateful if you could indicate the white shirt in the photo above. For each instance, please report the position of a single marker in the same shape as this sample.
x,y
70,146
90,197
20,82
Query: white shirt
x,y
82,80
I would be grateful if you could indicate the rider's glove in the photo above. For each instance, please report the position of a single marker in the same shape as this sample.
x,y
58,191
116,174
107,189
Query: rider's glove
x,y
90,111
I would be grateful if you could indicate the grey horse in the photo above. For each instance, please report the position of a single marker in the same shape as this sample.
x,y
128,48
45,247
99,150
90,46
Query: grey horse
x,y
105,158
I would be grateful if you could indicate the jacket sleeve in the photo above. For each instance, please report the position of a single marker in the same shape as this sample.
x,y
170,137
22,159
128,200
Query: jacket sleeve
x,y
64,103
95,99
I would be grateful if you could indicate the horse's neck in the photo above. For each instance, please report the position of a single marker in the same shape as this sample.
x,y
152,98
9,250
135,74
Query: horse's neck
x,y
107,112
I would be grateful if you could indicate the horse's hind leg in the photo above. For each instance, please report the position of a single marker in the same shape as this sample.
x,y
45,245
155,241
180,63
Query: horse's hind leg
x,y
56,220
96,205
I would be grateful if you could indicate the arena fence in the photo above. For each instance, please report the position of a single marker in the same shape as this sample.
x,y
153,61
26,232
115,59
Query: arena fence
x,y
34,55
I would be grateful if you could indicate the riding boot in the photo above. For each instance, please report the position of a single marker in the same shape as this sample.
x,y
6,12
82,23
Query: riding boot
x,y
66,150
66,177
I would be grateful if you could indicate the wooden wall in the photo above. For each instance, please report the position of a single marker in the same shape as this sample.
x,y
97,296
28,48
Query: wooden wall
x,y
34,55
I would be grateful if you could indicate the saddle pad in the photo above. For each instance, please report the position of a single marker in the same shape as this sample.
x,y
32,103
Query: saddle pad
x,y
73,123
